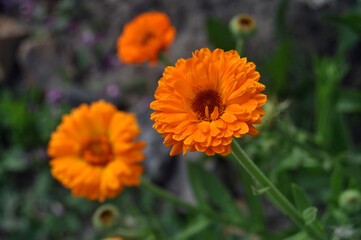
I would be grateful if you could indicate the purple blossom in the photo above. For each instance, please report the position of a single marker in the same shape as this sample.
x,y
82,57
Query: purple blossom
x,y
73,27
27,8
112,90
88,37
53,95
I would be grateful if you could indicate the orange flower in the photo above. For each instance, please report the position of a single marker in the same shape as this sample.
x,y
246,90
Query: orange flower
x,y
116,238
205,101
94,152
144,37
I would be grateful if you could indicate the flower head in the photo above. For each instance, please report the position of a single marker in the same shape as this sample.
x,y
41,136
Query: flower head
x,y
242,25
205,101
105,216
116,238
350,200
145,37
94,153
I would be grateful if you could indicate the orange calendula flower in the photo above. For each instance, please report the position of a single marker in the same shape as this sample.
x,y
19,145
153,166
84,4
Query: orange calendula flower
x,y
145,37
94,153
205,101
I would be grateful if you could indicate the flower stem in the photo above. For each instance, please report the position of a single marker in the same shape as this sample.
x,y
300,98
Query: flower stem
x,y
276,197
239,45
254,203
164,59
159,192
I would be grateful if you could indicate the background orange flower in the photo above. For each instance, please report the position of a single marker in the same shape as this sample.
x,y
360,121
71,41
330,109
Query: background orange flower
x,y
205,101
94,152
144,37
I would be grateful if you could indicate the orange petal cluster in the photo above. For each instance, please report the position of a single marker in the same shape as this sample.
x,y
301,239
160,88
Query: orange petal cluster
x,y
94,152
116,238
145,37
205,101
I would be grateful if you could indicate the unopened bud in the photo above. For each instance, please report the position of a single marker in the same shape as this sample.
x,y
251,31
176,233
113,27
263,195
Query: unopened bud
x,y
105,216
350,200
242,26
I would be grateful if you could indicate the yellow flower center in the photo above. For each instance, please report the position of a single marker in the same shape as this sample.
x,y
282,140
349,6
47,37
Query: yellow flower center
x,y
98,151
207,104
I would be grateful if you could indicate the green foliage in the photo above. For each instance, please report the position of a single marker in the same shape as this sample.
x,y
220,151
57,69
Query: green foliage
x,y
350,20
278,66
219,34
349,101
210,192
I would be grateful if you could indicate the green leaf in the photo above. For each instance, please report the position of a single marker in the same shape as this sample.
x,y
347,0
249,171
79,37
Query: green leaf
x,y
278,66
351,20
299,236
261,191
309,215
194,227
349,101
219,34
300,198
13,160
197,185
210,191
329,73
336,184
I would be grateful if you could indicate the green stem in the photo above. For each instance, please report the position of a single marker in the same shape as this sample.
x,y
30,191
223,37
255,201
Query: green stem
x,y
276,197
164,59
159,192
255,206
239,45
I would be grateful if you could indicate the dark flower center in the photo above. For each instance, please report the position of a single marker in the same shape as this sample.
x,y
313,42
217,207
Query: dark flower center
x,y
106,216
245,21
147,37
97,151
205,103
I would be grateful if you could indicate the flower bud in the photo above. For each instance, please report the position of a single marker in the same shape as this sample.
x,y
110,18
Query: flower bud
x,y
242,26
105,216
350,200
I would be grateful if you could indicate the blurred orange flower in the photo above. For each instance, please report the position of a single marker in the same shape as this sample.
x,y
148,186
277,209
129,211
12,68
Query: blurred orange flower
x,y
116,238
94,153
145,37
205,101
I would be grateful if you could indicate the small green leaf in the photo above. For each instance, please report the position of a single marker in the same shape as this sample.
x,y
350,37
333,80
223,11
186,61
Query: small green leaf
x,y
209,191
197,186
298,236
278,65
261,191
349,101
336,184
309,215
300,198
219,34
351,20
13,160
195,226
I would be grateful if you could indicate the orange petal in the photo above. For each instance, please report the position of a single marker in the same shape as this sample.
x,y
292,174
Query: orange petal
x,y
228,117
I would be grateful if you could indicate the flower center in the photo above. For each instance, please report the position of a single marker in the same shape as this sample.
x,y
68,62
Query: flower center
x,y
245,21
208,105
98,151
146,38
106,216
